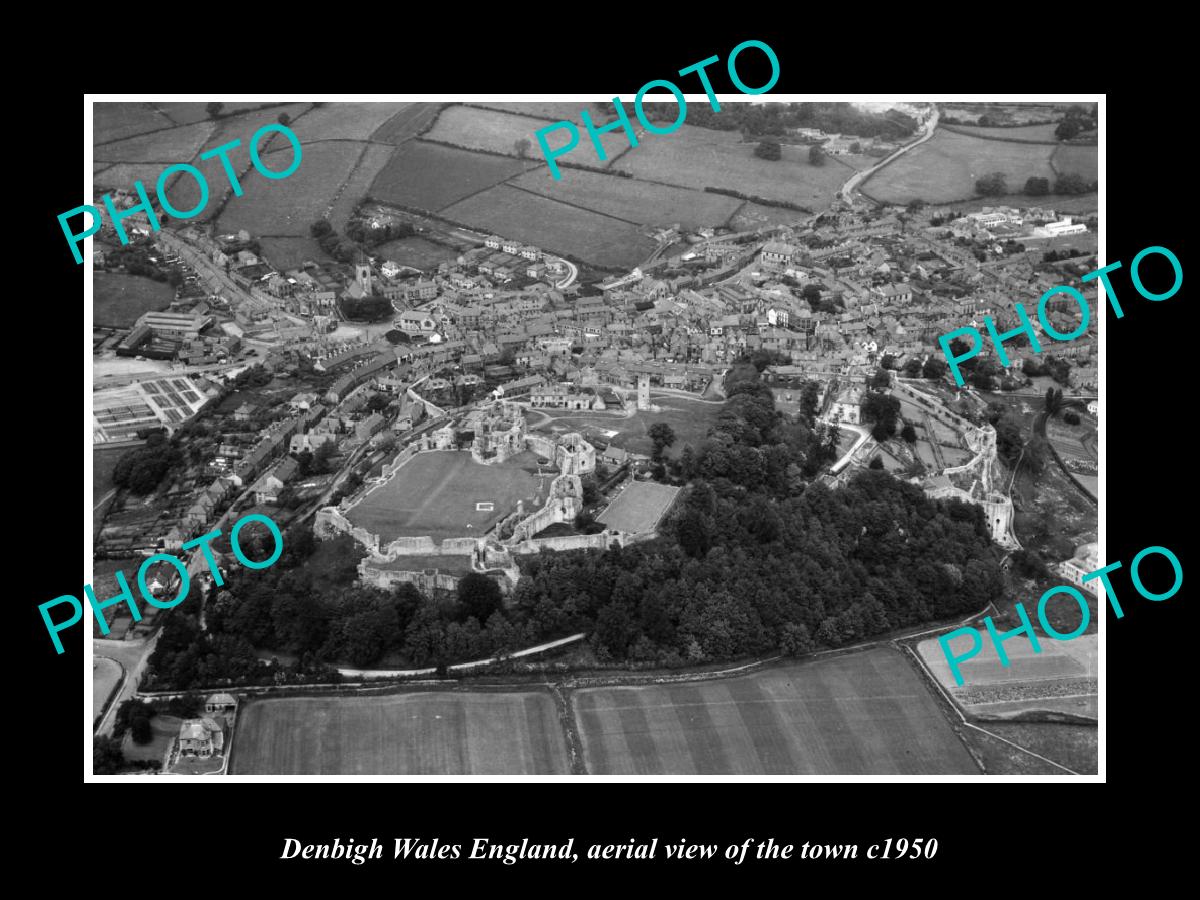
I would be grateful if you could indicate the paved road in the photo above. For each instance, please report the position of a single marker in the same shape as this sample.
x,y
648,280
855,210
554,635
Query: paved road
x,y
133,655
859,177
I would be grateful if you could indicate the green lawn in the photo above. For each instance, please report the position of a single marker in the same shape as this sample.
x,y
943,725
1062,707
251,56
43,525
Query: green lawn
x,y
118,299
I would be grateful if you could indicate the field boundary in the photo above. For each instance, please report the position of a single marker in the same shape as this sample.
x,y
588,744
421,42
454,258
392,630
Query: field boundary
x,y
97,718
969,724
985,137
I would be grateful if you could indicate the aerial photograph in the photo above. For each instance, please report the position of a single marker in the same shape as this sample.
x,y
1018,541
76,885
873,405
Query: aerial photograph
x,y
467,439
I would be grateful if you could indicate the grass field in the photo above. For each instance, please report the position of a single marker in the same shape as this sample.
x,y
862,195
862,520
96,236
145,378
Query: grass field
x,y
485,129
406,123
183,193
289,206
435,494
370,164
699,157
343,121
113,121
163,147
290,252
945,168
634,201
118,299
104,460
689,419
1080,159
123,176
639,507
408,734
1044,132
1074,746
187,112
752,216
416,252
862,713
106,675
551,111
598,239
432,177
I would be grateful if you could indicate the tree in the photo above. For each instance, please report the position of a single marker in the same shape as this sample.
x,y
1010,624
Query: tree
x,y
663,436
1071,183
876,462
768,150
912,368
816,155
856,147
396,337
141,730
214,109
478,596
320,228
992,185
1054,402
1067,129
284,118
909,433
107,758
1037,187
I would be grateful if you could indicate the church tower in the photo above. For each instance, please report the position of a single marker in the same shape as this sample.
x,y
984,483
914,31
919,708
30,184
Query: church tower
x,y
362,276
643,394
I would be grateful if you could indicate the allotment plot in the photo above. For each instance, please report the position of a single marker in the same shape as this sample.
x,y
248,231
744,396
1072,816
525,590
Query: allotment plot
x,y
862,713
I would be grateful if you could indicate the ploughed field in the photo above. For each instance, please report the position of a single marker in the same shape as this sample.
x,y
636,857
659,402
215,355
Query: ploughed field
x,y
862,713
436,733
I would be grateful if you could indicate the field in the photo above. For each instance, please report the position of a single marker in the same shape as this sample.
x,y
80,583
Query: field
x,y
183,192
175,145
1080,159
289,252
113,121
432,177
639,507
344,121
485,129
106,675
752,216
551,111
586,235
406,123
104,460
416,252
862,713
698,157
288,206
945,168
1044,132
407,734
118,299
435,494
187,112
370,164
123,176
631,200
689,419
1062,677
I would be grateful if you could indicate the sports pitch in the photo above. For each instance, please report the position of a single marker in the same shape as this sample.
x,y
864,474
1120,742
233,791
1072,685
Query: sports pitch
x,y
436,493
445,733
639,507
862,713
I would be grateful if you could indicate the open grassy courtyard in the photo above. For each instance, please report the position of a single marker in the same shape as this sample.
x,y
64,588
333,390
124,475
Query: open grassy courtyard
x,y
639,507
862,713
435,493
444,733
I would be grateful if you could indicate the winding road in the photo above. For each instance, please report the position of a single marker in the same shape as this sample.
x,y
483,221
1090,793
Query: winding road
x,y
859,177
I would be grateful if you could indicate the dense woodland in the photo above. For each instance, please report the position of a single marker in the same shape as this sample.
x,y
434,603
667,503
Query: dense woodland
x,y
756,557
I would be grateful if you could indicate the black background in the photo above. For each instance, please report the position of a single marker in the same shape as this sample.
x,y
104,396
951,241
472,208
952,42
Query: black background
x,y
983,827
